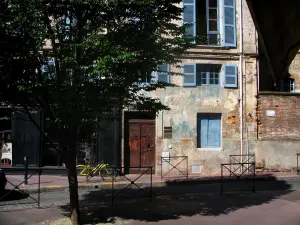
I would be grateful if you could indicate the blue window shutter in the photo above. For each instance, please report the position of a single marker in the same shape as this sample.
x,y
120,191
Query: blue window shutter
x,y
229,32
189,16
214,131
163,73
203,132
230,75
189,74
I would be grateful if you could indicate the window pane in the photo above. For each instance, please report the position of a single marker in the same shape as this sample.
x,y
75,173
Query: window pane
x,y
163,78
188,69
203,81
230,80
211,81
217,80
188,14
228,2
229,35
188,1
230,70
188,79
213,3
229,16
163,68
213,25
213,14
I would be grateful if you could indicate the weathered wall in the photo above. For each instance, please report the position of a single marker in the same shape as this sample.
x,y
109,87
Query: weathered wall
x,y
285,125
186,102
279,135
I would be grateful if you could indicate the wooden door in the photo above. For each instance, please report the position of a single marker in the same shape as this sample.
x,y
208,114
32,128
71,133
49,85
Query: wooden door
x,y
141,144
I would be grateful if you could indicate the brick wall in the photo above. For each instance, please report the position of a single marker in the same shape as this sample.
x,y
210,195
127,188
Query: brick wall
x,y
285,124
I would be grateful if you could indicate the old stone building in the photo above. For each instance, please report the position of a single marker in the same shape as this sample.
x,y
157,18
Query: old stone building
x,y
212,103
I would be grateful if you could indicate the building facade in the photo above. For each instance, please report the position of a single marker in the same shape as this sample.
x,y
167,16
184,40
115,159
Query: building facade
x,y
212,106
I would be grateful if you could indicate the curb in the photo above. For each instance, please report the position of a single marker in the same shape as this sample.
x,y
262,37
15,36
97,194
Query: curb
x,y
119,185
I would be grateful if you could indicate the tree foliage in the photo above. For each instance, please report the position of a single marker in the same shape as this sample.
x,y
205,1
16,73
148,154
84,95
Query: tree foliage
x,y
78,60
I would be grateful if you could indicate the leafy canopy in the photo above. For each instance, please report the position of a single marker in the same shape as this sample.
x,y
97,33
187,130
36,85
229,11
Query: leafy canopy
x,y
81,59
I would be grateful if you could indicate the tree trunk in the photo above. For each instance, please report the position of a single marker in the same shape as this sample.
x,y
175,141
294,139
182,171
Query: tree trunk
x,y
73,183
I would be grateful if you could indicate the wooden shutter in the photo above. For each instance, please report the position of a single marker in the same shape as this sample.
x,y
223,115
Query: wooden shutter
x,y
209,130
230,76
189,74
189,16
203,131
214,131
229,32
163,73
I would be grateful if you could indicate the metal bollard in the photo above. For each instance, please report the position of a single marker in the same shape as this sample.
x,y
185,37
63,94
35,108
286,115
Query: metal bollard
x,y
25,169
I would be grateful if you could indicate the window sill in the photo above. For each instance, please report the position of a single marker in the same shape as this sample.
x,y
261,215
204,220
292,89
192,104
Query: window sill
x,y
213,47
210,149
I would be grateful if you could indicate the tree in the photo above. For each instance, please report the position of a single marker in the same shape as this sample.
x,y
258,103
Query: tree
x,y
77,60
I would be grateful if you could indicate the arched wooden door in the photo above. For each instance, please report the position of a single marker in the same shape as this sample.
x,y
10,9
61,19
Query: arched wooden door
x,y
141,144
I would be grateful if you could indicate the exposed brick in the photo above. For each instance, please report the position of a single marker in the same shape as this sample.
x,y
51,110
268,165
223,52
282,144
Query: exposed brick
x,y
286,123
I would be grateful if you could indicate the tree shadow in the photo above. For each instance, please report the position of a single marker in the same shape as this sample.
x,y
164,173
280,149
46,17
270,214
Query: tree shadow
x,y
13,195
174,201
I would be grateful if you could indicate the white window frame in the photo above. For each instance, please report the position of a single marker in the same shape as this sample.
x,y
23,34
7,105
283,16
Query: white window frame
x,y
207,19
207,74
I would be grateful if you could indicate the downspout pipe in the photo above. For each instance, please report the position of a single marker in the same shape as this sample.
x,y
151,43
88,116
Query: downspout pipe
x,y
241,69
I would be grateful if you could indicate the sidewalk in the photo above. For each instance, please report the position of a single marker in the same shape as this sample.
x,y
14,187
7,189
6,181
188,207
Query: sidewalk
x,y
60,182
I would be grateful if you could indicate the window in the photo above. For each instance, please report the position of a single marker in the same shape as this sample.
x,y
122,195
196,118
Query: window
x,y
167,132
287,85
210,75
209,130
209,78
162,75
48,69
212,21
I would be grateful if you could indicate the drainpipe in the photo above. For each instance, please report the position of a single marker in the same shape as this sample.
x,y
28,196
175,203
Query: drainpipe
x,y
241,79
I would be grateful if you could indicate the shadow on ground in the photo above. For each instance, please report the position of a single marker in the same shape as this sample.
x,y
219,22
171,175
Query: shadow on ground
x,y
174,201
13,195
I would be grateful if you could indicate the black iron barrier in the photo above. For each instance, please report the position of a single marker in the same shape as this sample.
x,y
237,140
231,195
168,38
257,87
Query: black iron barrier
x,y
16,193
132,182
246,168
168,161
240,159
298,170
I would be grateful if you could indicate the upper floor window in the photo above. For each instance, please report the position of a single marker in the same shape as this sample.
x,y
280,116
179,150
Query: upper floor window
x,y
210,75
161,75
287,85
213,21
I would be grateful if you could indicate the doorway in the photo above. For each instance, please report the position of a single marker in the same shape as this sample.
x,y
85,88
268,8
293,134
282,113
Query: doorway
x,y
139,143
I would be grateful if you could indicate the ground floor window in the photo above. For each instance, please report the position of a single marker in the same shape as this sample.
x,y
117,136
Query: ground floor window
x,y
208,130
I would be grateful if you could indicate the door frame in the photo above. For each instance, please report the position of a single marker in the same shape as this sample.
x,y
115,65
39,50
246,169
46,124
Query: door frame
x,y
134,115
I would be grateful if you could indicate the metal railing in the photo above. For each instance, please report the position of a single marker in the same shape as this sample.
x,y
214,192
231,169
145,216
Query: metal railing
x,y
298,169
241,159
14,193
246,167
132,182
182,159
